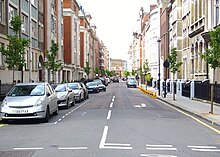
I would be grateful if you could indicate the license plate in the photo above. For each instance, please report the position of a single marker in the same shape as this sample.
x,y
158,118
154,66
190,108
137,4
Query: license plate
x,y
20,111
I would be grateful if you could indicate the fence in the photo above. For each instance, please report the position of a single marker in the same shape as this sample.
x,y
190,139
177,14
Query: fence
x,y
186,89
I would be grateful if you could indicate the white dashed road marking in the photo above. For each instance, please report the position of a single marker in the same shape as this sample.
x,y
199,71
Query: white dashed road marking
x,y
160,147
204,148
109,114
35,148
72,148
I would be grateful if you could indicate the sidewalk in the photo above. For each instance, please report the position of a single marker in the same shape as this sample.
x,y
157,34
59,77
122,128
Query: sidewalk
x,y
195,107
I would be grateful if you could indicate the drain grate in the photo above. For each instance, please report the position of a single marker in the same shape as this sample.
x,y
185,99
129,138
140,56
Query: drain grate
x,y
27,153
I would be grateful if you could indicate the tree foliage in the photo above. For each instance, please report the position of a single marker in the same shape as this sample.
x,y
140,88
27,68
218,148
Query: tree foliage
x,y
126,73
15,50
52,64
173,64
212,57
87,69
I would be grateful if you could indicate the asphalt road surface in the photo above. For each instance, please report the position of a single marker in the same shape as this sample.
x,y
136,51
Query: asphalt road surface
x,y
121,122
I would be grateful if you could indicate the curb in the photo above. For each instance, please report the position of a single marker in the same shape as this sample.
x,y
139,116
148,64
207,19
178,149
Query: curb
x,y
190,112
148,92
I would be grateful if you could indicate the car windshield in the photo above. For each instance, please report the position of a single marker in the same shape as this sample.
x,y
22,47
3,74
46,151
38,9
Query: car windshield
x,y
131,79
99,82
91,84
27,90
73,86
60,88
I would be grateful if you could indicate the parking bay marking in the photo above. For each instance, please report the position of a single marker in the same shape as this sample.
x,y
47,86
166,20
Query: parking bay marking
x,y
73,110
72,148
34,148
104,145
160,147
204,148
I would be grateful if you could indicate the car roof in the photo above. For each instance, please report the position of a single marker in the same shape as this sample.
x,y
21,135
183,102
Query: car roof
x,y
32,83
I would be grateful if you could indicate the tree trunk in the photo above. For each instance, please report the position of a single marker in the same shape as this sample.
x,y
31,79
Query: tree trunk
x,y
212,93
173,88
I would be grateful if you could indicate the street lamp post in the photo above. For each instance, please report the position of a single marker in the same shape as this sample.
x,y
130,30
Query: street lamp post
x,y
158,83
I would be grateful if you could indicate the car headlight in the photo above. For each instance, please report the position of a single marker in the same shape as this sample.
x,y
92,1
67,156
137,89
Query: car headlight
x,y
4,103
39,102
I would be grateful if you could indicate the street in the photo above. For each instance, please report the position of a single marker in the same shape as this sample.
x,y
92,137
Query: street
x,y
121,122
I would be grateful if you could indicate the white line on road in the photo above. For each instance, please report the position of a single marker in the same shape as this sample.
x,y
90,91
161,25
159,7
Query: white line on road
x,y
114,147
109,114
72,148
111,105
153,145
36,148
205,150
203,147
104,136
116,144
72,111
161,149
156,155
113,99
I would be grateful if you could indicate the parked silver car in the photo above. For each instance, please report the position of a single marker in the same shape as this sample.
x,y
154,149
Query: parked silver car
x,y
28,101
78,90
65,95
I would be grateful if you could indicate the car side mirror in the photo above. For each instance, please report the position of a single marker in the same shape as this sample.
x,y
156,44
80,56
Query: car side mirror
x,y
48,94
70,90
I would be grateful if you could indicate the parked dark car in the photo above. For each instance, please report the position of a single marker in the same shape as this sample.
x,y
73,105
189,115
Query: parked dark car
x,y
86,92
92,87
101,86
115,79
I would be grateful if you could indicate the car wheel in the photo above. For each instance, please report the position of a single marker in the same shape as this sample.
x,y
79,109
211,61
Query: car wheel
x,y
80,100
57,111
73,103
67,104
46,118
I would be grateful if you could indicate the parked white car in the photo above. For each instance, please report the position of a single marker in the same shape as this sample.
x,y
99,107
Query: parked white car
x,y
78,90
29,101
66,97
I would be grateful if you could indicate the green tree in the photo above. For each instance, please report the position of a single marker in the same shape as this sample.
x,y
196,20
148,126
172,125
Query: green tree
x,y
52,64
174,65
15,50
102,71
133,72
212,56
97,71
146,69
126,73
87,69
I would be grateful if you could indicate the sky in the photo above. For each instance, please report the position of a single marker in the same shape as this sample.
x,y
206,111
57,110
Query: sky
x,y
116,20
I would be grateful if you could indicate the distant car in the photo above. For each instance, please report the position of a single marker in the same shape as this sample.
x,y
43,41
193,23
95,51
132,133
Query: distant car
x,y
101,86
78,90
30,101
86,92
131,82
66,97
115,79
92,87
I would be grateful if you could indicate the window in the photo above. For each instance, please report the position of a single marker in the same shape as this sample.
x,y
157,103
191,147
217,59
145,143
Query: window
x,y
216,12
12,12
34,2
2,16
34,29
24,26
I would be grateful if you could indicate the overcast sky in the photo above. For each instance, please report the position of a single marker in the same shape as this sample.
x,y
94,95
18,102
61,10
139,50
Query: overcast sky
x,y
116,20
